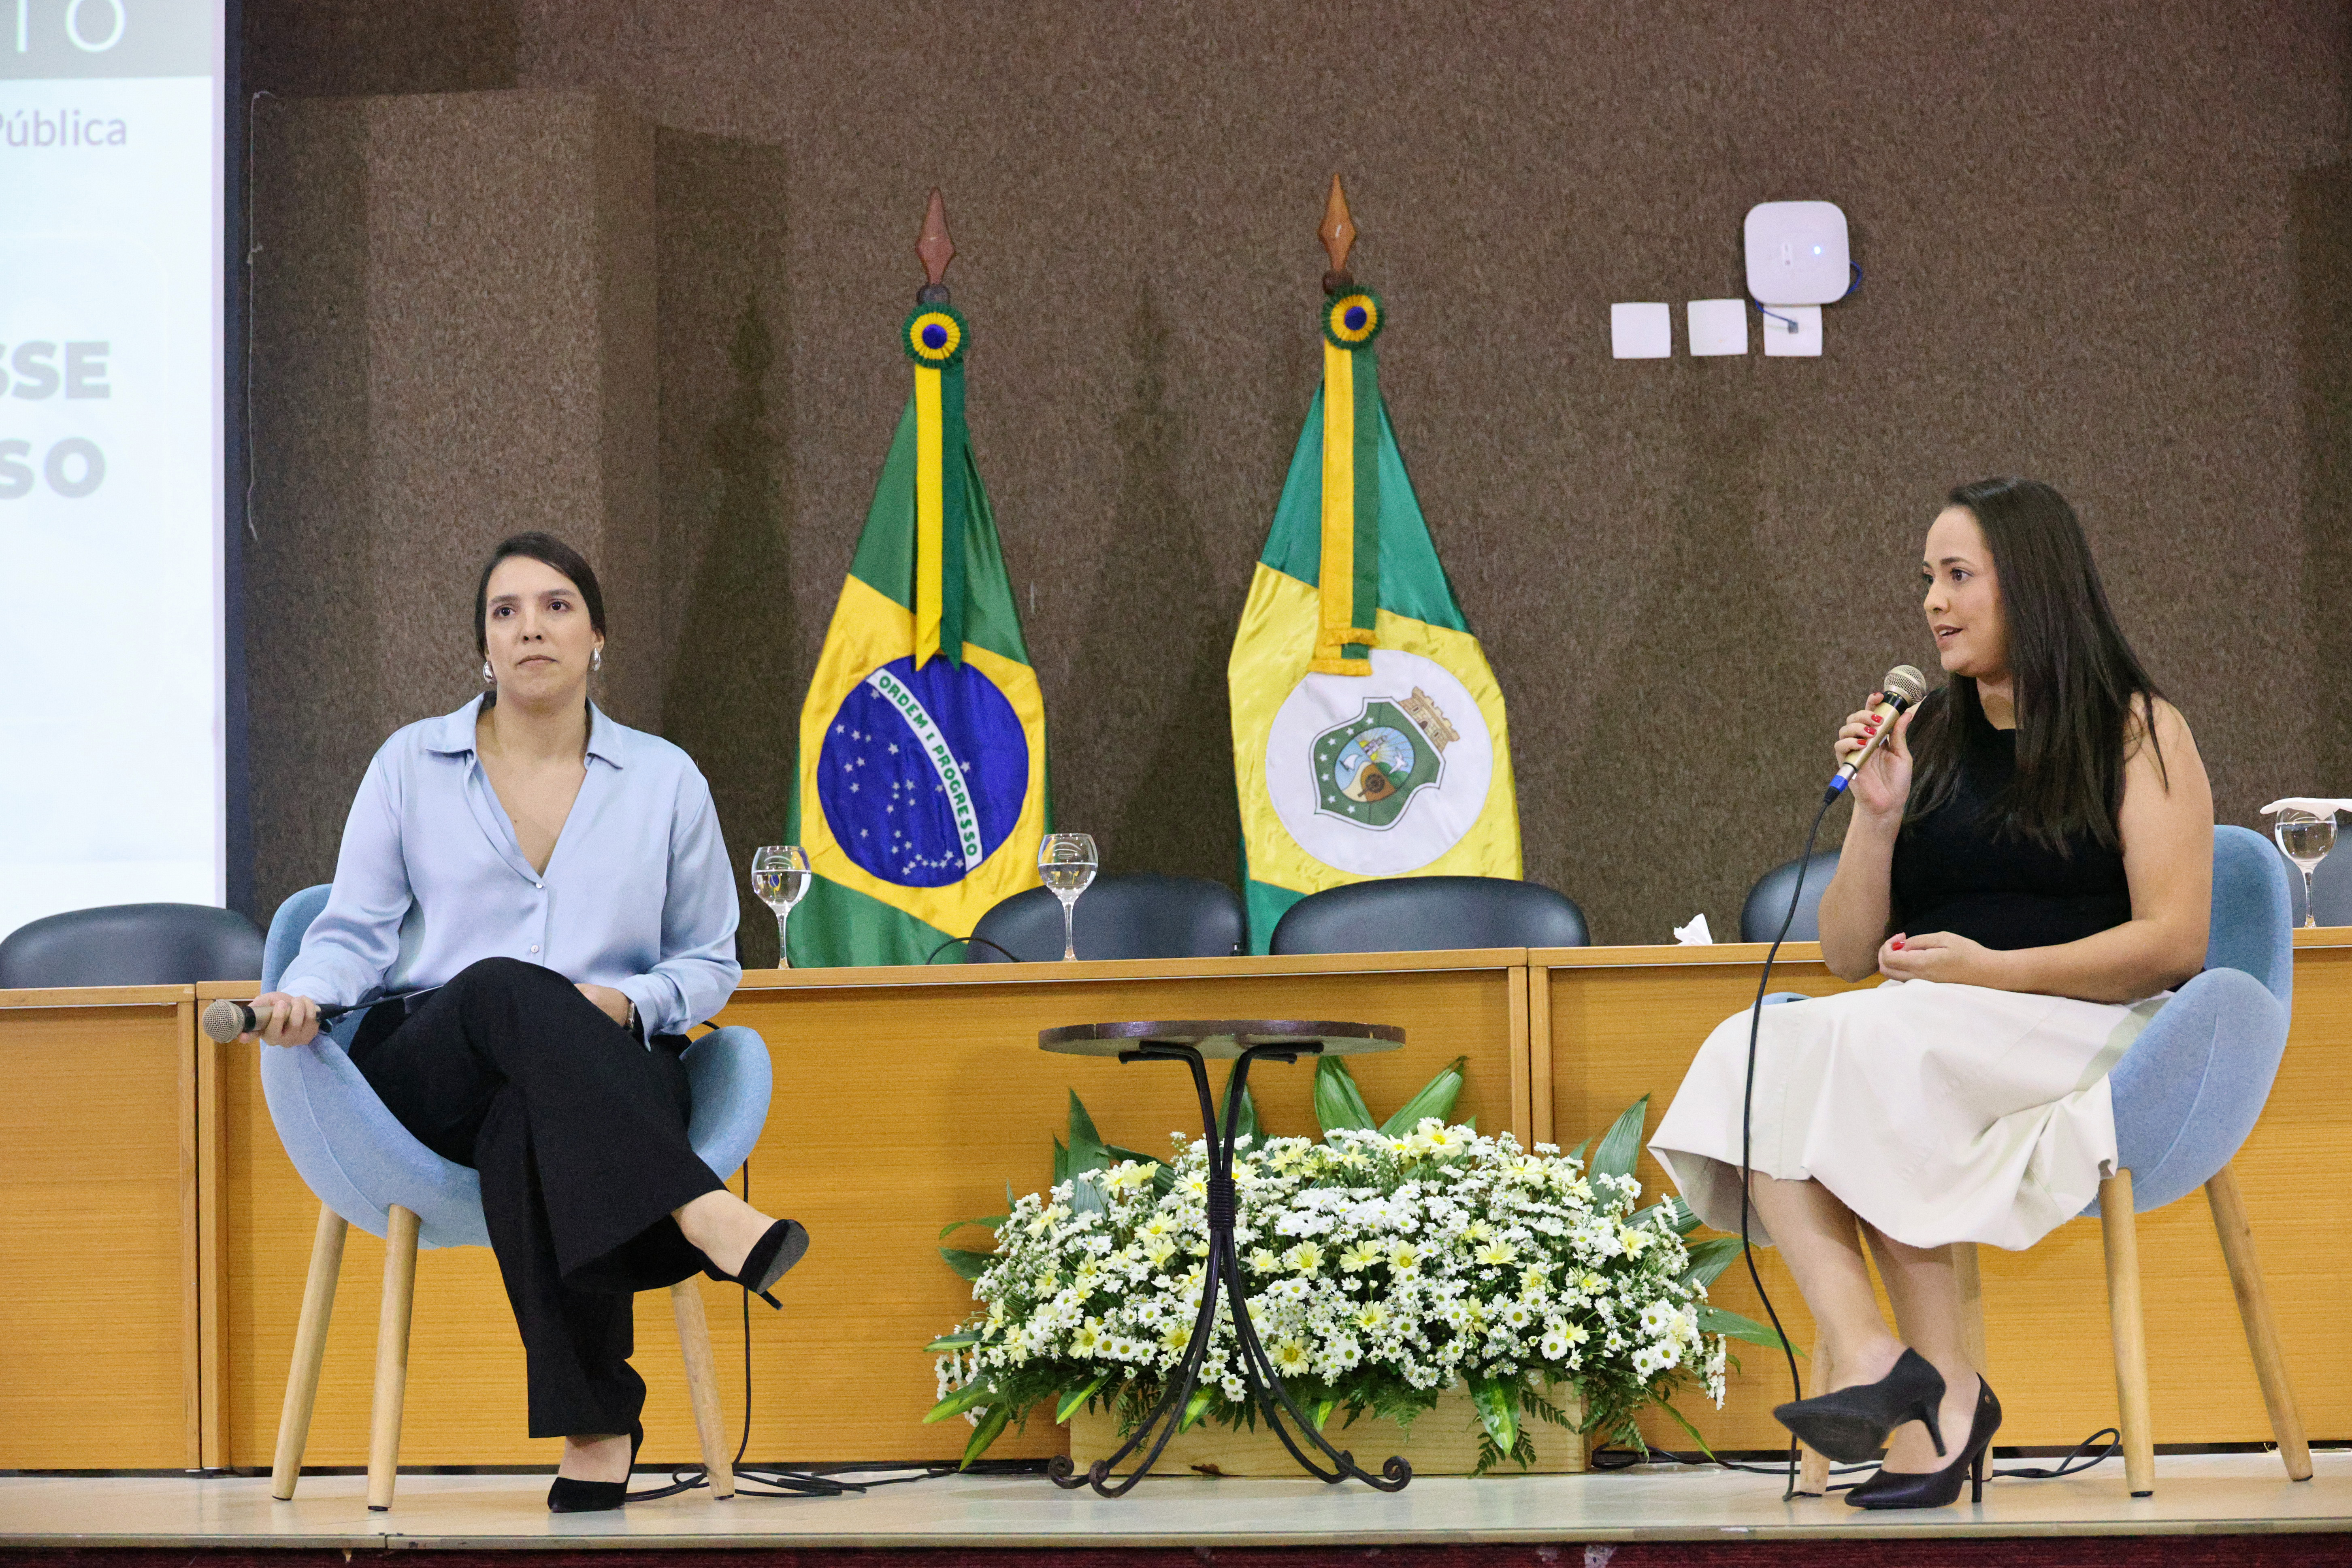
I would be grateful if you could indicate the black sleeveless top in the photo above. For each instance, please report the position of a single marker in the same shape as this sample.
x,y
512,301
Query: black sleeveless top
x,y
1955,871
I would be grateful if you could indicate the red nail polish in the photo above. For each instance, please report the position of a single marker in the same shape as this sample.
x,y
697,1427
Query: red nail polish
x,y
1898,943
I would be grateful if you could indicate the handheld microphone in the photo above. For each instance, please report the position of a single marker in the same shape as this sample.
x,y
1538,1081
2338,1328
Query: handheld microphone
x,y
1902,687
224,1022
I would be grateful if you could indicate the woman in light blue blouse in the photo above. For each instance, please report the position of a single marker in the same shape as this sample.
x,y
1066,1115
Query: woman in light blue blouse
x,y
542,897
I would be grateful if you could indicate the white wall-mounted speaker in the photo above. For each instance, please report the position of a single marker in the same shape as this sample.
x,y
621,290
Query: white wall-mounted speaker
x,y
1797,253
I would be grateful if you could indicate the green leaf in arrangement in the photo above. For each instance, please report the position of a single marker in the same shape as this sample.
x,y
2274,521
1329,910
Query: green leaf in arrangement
x,y
992,1427
1544,1409
1674,1211
961,1400
1087,1151
1684,1421
1578,1152
953,1342
967,1264
1498,1411
991,1222
1081,1123
1621,1146
1337,1101
1248,1117
1709,1259
1086,1197
1197,1407
1071,1402
1714,1320
1436,1099
1061,1164
1163,1180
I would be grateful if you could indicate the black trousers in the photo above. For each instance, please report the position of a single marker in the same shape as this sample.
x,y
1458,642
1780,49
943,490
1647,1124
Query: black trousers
x,y
579,1133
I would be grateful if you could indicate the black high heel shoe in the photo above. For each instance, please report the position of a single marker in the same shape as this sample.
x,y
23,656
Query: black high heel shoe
x,y
570,1496
1852,1423
1935,1488
782,1245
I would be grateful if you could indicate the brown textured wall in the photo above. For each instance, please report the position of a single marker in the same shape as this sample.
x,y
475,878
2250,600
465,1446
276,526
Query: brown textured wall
x,y
454,341
2106,244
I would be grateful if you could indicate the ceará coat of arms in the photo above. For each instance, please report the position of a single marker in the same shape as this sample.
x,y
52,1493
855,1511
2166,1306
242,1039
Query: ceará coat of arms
x,y
1368,770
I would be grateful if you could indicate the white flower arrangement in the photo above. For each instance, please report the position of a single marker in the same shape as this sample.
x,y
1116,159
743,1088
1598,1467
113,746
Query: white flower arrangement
x,y
1381,1265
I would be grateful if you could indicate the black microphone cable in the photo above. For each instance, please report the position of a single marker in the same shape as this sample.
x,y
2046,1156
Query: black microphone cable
x,y
1902,688
969,942
788,1483
1748,1118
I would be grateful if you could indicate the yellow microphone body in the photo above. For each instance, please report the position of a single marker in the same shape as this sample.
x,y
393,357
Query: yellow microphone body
x,y
1902,688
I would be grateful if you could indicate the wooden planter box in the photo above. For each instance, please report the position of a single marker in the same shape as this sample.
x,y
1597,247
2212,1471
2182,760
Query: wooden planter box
x,y
1444,1442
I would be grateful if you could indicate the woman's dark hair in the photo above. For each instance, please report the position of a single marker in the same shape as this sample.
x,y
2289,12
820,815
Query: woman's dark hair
x,y
2078,684
550,551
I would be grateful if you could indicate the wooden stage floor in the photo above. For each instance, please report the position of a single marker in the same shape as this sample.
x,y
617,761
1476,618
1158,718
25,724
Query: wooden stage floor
x,y
2209,1494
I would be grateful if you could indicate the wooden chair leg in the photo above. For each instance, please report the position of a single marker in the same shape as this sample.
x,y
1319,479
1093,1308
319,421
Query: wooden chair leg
x,y
310,1349
1814,1471
702,1385
2261,1327
2119,1227
392,1356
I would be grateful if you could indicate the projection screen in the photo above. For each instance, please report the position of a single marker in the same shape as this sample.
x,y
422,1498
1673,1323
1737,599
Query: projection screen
x,y
112,658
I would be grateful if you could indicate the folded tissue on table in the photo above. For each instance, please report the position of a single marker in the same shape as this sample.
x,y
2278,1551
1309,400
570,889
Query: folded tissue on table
x,y
2317,805
1694,934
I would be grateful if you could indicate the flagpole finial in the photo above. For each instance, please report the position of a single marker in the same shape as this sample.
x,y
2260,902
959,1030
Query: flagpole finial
x,y
1338,235
936,250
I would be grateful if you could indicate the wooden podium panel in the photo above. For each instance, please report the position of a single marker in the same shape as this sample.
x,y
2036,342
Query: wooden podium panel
x,y
158,1237
98,1229
1627,1021
905,1098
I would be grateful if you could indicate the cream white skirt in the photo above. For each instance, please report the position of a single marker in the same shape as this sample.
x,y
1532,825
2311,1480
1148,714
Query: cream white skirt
x,y
1938,1113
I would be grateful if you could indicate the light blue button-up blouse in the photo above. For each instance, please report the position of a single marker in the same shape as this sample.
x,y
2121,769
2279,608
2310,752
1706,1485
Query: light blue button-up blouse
x,y
637,895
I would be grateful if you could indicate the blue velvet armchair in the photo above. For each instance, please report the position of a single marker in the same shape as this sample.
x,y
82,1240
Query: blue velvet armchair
x,y
2187,1094
370,1171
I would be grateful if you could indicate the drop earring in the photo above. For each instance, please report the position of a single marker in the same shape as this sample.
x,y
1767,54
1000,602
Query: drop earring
x,y
597,661
487,678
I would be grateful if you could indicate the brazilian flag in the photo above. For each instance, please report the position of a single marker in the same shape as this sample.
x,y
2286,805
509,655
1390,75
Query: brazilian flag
x,y
920,792
1369,734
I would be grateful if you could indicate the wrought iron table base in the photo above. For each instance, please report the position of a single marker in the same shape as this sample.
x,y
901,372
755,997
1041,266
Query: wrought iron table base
x,y
1223,1268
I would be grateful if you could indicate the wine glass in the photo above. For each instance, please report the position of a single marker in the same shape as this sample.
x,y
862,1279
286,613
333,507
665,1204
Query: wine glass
x,y
780,875
2304,838
1065,863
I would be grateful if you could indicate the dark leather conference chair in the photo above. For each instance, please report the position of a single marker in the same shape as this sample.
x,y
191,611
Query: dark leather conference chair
x,y
1425,914
131,944
1137,915
1768,900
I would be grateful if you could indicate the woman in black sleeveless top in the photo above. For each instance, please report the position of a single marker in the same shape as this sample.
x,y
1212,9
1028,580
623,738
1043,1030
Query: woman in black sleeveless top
x,y
2028,865
1956,871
